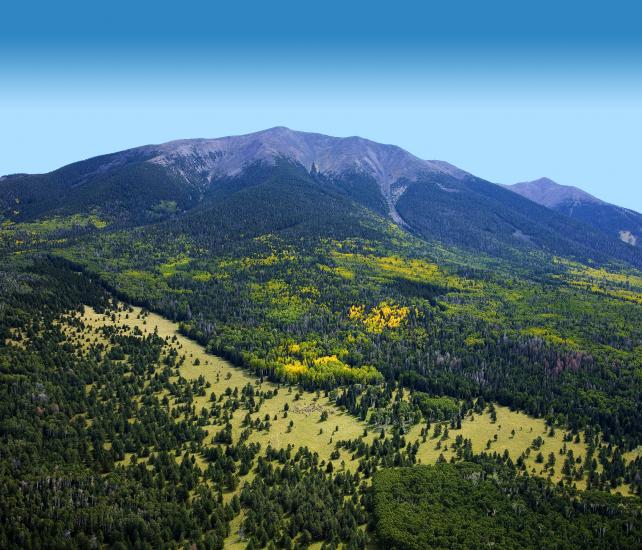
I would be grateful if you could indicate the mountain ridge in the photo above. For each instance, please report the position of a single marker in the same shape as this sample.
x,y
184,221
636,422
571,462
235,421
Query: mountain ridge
x,y
575,203
433,199
331,156
200,161
549,193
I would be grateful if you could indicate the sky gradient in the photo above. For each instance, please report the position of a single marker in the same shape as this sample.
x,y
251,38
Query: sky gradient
x,y
509,91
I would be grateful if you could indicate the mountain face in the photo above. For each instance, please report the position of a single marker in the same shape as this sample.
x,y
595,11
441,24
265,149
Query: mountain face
x,y
432,199
202,163
208,159
577,204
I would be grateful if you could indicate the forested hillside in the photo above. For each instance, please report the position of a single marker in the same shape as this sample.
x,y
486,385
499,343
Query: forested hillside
x,y
118,431
356,321
341,282
108,440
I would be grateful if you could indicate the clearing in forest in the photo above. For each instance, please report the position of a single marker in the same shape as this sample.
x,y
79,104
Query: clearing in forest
x,y
295,415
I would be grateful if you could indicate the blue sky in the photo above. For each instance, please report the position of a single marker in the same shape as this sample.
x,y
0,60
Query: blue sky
x,y
507,90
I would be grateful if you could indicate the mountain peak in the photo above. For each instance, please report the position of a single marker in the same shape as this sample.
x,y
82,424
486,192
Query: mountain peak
x,y
202,161
575,203
551,194
380,169
228,156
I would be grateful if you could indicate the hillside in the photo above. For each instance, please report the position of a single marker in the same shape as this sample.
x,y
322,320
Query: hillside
x,y
281,256
233,338
161,441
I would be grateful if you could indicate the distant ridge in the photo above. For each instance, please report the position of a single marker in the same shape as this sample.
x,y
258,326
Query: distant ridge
x,y
548,193
573,202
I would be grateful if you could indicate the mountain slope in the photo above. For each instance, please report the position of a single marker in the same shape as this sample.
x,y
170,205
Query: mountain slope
x,y
204,161
577,204
473,213
298,273
202,164
432,199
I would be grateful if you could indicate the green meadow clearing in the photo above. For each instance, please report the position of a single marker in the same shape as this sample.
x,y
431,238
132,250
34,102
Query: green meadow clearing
x,y
295,414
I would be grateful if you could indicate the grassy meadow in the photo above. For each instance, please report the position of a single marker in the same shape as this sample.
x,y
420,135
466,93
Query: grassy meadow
x,y
295,415
511,430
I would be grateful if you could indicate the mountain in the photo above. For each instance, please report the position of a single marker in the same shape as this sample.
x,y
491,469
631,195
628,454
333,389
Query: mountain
x,y
546,192
577,204
361,314
433,199
202,163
